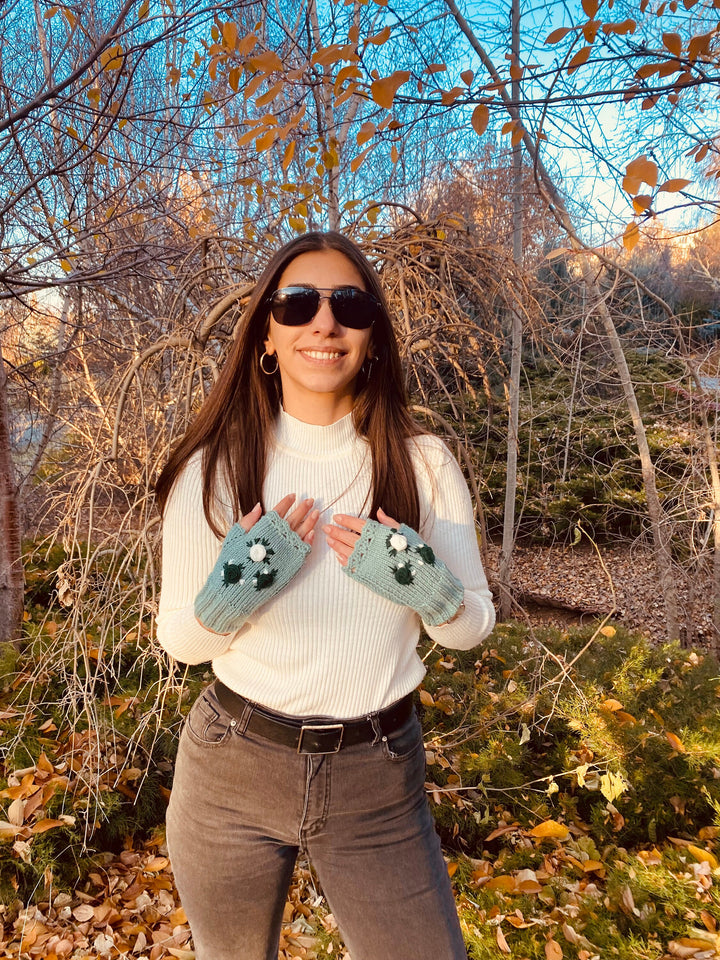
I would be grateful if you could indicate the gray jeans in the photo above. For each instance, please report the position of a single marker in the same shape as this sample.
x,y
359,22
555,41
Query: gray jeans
x,y
241,809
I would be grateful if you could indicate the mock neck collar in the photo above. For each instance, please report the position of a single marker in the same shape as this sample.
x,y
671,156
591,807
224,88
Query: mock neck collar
x,y
312,439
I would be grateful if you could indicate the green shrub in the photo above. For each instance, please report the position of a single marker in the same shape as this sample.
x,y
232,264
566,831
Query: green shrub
x,y
625,740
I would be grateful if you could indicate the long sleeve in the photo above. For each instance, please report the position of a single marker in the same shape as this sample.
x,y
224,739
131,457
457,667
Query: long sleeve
x,y
189,552
448,525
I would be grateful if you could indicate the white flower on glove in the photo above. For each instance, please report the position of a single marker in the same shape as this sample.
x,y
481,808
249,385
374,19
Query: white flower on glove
x,y
257,552
398,542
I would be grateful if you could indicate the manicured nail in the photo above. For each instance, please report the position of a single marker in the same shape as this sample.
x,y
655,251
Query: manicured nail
x,y
327,528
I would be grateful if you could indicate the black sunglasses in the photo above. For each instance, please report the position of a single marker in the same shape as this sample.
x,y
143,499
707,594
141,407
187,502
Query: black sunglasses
x,y
351,307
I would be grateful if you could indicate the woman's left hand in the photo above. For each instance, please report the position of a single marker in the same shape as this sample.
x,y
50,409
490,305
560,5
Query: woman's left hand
x,y
343,534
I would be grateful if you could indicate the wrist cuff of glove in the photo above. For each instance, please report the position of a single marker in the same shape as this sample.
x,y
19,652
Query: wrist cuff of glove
x,y
444,605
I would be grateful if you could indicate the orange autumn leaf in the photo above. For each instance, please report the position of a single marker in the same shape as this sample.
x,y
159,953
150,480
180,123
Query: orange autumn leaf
x,y
378,39
550,829
366,131
631,236
642,203
675,742
265,62
505,882
673,43
623,717
557,35
480,118
703,856
640,170
43,825
581,57
383,91
673,186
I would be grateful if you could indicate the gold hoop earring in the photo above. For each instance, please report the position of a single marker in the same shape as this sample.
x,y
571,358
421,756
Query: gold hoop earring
x,y
269,373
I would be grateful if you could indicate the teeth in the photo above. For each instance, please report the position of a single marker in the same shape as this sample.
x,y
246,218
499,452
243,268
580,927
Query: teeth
x,y
321,354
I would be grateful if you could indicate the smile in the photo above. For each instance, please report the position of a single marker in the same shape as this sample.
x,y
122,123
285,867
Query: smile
x,y
322,354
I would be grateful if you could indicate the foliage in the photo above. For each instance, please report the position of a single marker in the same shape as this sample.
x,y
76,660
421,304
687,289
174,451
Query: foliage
x,y
593,727
579,461
573,777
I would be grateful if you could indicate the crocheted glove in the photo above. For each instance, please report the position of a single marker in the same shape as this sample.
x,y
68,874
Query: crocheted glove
x,y
252,567
400,566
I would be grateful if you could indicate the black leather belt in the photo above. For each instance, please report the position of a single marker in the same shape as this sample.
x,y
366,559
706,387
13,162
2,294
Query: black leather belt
x,y
313,734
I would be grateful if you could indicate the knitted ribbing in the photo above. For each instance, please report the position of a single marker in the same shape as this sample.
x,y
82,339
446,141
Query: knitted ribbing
x,y
325,645
398,564
252,567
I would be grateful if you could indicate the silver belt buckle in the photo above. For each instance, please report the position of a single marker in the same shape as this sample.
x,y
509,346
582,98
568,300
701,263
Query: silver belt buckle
x,y
338,728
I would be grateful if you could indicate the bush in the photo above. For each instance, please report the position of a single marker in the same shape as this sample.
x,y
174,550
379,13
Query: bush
x,y
625,739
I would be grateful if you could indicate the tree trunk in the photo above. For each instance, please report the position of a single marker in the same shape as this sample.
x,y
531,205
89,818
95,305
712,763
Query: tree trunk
x,y
660,530
714,506
11,571
556,204
516,332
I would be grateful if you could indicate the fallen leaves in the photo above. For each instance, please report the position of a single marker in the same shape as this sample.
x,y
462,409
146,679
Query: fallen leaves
x,y
131,908
550,829
703,856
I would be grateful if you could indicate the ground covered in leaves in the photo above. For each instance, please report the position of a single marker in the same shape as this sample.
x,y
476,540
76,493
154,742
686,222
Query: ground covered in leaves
x,y
573,584
574,901
574,776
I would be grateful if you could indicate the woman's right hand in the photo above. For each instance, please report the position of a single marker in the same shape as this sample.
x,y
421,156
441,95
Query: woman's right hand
x,y
301,520
258,557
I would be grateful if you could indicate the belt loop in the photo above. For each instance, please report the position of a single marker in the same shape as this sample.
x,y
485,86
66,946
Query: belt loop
x,y
377,729
245,718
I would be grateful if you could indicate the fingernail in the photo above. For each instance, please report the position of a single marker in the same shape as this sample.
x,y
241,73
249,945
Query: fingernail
x,y
327,528
256,507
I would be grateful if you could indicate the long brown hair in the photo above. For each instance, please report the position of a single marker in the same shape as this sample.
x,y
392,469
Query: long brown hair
x,y
233,426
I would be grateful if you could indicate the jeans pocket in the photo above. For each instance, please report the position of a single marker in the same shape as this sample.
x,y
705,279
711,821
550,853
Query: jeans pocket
x,y
404,742
207,723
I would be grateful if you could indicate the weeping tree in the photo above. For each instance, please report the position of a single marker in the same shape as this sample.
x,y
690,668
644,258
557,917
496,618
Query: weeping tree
x,y
448,299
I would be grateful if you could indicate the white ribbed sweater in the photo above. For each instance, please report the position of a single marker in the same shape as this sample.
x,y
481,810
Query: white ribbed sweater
x,y
325,645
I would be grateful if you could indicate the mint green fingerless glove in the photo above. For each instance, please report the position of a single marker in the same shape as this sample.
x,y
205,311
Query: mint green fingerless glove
x,y
400,566
252,567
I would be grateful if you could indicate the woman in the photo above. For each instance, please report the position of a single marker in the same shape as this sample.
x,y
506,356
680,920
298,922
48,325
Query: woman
x,y
310,613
